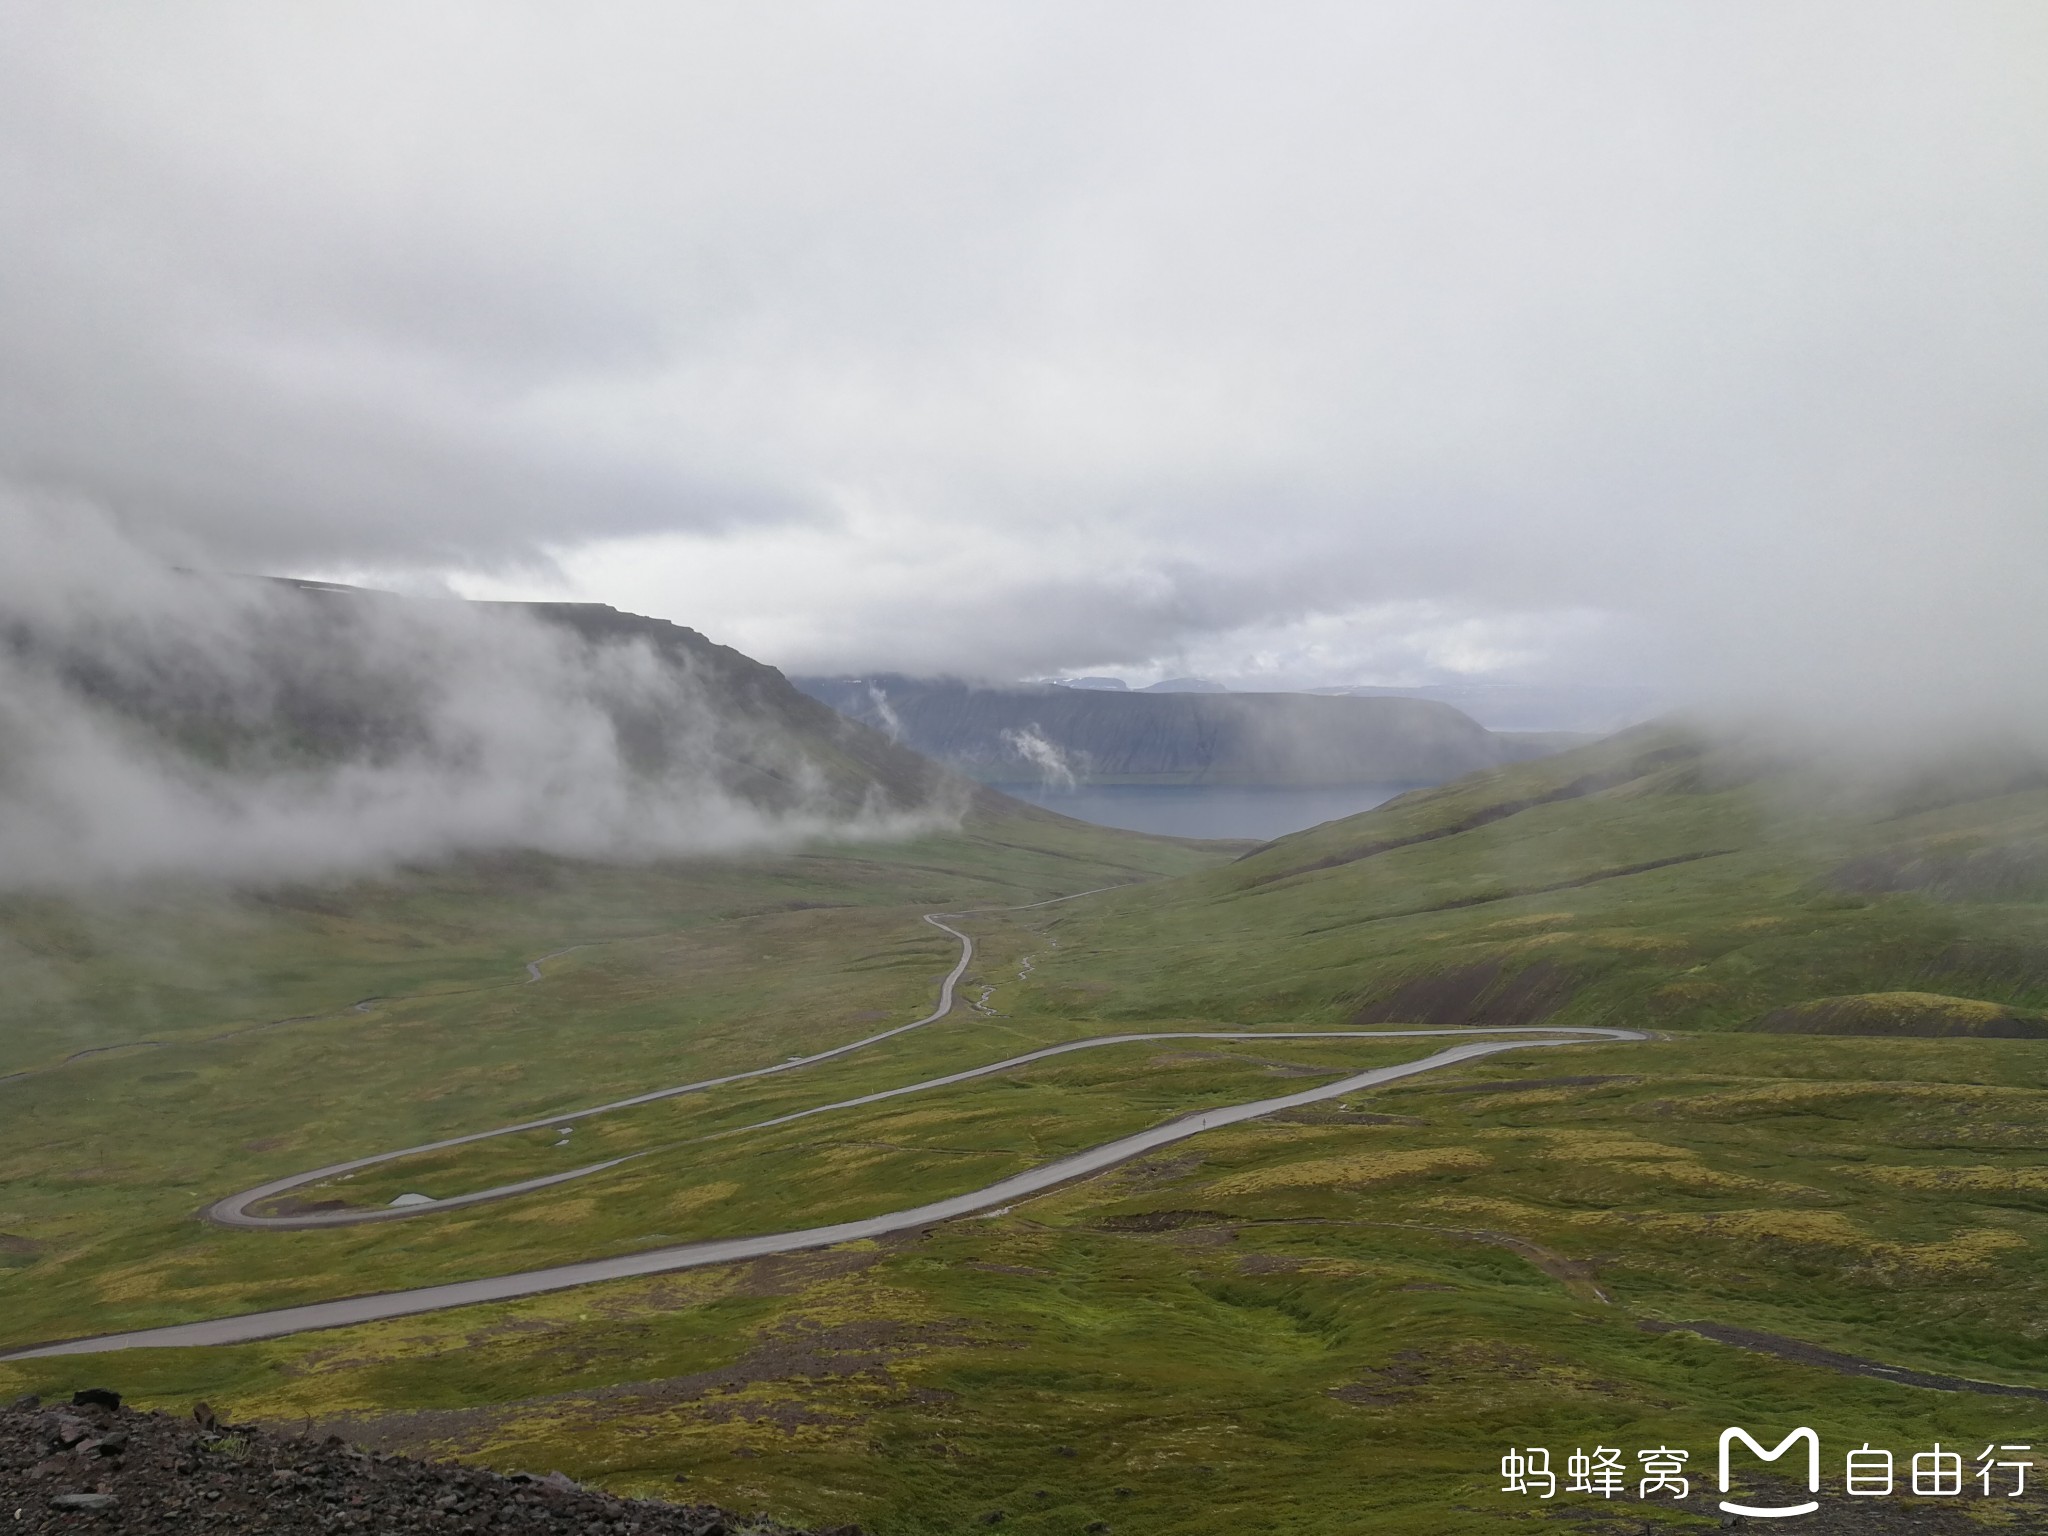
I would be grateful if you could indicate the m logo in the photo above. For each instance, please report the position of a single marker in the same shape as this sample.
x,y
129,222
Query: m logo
x,y
1775,1511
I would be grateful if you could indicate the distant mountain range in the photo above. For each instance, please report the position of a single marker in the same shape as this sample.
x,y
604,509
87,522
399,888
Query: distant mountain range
x,y
1068,734
1596,709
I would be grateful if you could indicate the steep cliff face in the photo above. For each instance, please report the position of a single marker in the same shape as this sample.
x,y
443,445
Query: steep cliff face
x,y
1024,735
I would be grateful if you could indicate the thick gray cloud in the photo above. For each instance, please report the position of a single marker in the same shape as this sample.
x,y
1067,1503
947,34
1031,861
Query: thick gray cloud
x,y
1309,342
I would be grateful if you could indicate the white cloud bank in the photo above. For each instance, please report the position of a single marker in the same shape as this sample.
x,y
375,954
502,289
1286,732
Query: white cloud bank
x,y
1691,342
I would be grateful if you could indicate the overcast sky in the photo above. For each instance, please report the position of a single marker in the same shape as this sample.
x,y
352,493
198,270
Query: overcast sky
x,y
1699,344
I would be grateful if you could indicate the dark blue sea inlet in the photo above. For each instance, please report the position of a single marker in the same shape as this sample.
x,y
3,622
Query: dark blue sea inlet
x,y
1184,810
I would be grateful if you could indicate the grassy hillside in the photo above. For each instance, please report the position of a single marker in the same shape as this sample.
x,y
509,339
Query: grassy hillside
x,y
1333,1320
178,963
291,1029
1647,880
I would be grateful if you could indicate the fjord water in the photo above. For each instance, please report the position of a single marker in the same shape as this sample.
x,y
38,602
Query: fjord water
x,y
1200,810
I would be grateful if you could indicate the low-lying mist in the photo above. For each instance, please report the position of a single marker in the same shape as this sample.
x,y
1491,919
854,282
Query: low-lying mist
x,y
162,722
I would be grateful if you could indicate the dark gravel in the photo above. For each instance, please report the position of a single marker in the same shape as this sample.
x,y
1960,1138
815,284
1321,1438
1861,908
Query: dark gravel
x,y
91,1465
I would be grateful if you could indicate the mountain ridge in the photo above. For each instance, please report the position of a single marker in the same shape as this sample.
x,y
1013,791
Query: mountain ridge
x,y
1020,735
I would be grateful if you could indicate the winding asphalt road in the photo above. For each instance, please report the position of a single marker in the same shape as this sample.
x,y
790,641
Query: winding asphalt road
x,y
234,1211
351,1310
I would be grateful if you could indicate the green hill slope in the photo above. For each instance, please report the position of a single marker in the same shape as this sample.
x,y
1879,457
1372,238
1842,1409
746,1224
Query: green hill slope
x,y
1650,879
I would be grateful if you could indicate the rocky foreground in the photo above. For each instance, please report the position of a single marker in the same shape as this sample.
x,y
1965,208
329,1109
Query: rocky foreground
x,y
91,1465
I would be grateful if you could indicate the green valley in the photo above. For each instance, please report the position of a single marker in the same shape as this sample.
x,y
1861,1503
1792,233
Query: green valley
x,y
1831,1161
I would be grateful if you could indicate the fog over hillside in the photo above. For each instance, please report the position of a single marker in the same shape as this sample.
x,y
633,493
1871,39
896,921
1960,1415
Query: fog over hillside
x,y
164,722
